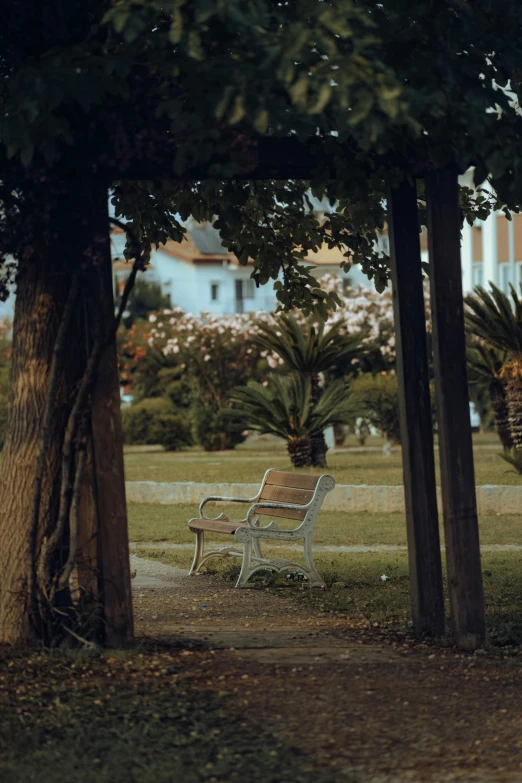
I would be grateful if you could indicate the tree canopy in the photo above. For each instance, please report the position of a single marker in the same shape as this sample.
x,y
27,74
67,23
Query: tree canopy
x,y
175,87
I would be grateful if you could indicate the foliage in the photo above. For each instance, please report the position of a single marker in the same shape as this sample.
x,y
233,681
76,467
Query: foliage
x,y
188,83
376,399
284,407
311,348
488,386
155,421
493,317
212,428
514,458
146,297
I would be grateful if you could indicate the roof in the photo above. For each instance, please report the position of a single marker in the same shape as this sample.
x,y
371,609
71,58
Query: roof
x,y
202,245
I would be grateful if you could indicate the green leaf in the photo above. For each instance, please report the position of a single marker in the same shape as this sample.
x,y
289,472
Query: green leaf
x,y
238,111
322,99
261,121
299,89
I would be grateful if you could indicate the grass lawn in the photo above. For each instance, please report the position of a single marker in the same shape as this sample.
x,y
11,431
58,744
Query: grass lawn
x,y
149,522
248,463
358,591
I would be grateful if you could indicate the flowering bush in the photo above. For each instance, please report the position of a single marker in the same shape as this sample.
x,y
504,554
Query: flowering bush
x,y
364,309
197,360
215,354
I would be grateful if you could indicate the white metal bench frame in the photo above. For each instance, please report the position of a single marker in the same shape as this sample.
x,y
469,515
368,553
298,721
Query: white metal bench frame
x,y
250,533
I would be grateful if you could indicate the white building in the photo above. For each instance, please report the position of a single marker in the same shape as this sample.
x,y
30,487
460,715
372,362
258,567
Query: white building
x,y
199,274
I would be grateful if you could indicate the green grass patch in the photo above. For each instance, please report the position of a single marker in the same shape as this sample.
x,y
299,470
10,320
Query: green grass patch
x,y
247,465
355,587
154,522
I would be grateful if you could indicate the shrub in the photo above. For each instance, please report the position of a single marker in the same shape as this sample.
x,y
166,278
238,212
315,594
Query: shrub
x,y
171,430
154,420
376,398
212,429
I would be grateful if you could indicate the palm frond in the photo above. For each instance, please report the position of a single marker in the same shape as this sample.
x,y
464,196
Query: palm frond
x,y
311,349
493,317
284,408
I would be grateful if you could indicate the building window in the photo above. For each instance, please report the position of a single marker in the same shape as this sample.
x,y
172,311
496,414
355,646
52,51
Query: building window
x,y
214,291
250,289
477,275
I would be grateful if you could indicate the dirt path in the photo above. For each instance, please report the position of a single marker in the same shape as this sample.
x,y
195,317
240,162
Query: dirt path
x,y
356,700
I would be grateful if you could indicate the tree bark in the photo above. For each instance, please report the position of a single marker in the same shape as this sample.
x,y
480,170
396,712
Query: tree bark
x,y
514,402
42,290
71,235
318,447
497,395
299,452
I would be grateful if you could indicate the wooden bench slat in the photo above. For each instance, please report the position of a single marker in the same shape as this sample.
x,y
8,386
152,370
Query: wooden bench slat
x,y
279,494
293,480
214,525
282,513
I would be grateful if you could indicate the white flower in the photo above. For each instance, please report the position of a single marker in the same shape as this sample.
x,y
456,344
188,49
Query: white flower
x,y
208,357
153,318
384,578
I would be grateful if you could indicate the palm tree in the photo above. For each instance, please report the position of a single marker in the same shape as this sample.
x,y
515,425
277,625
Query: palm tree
x,y
495,319
284,408
485,365
309,350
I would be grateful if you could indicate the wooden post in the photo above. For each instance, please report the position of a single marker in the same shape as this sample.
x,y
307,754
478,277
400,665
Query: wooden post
x,y
109,479
455,443
415,412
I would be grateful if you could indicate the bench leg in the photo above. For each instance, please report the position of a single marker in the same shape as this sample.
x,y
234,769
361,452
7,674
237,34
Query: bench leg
x,y
198,554
246,565
314,579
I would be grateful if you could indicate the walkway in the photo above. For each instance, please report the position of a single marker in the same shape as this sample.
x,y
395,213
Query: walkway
x,y
330,548
360,704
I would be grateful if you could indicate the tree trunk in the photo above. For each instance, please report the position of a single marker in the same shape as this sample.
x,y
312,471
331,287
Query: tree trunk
x,y
41,295
69,235
514,402
318,447
299,452
497,395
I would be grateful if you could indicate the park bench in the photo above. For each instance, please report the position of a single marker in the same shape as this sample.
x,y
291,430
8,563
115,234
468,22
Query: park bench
x,y
284,496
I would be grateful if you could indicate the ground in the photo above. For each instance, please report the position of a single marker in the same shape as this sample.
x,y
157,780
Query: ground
x,y
359,701
277,684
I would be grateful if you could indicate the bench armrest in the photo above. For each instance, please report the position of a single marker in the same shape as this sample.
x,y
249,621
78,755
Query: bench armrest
x,y
218,498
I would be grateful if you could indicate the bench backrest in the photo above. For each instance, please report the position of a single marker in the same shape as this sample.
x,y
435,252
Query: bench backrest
x,y
281,487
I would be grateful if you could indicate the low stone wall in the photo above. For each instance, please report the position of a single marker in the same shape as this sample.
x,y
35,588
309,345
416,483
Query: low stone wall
x,y
491,499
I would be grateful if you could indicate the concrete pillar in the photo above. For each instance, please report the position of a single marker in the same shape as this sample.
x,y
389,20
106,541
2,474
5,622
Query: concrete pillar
x,y
466,253
490,250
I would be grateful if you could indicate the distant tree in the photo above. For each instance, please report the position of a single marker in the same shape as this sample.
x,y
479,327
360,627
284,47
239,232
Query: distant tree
x,y
485,365
284,408
145,298
497,319
311,349
375,398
